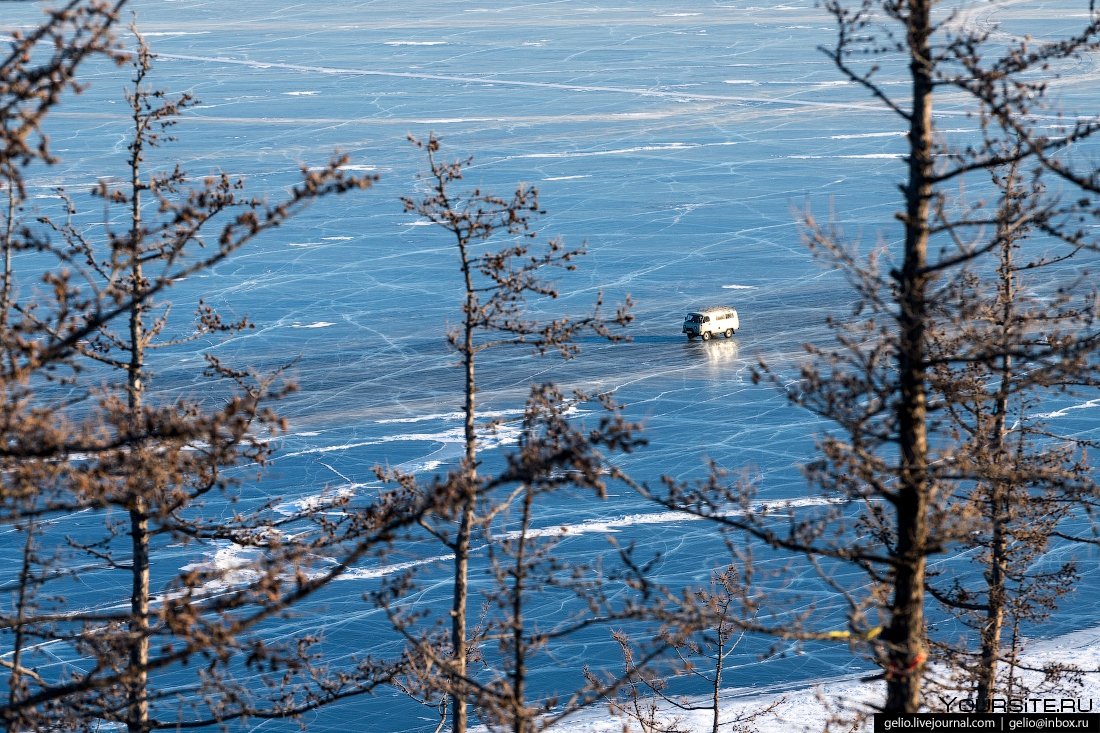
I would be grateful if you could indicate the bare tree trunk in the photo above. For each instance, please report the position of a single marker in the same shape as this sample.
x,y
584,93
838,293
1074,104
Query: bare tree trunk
x,y
9,231
458,614
1000,496
720,658
994,622
17,687
137,718
520,722
469,488
1013,659
138,704
905,635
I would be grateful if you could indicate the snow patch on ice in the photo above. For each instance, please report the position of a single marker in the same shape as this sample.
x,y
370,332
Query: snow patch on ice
x,y
232,563
318,502
491,414
356,167
422,467
316,324
501,435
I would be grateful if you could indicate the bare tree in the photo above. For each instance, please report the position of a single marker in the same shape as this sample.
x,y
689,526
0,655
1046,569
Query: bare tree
x,y
702,650
38,68
530,567
79,440
1028,481
891,469
496,284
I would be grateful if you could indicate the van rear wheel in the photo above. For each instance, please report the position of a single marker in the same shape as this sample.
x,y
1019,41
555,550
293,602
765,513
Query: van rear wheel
x,y
729,332
705,335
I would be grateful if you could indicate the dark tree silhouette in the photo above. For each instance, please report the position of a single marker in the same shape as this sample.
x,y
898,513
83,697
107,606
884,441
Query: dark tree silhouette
x,y
497,282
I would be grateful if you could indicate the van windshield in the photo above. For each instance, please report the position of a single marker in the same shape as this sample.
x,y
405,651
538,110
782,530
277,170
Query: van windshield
x,y
694,318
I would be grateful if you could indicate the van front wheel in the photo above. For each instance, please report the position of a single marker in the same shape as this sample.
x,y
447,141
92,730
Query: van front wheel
x,y
729,332
705,335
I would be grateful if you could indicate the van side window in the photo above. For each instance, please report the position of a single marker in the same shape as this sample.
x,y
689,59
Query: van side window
x,y
706,319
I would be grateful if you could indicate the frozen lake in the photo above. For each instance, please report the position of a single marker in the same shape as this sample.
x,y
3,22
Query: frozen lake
x,y
680,140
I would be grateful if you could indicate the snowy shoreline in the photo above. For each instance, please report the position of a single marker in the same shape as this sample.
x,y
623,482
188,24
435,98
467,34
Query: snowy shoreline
x,y
803,708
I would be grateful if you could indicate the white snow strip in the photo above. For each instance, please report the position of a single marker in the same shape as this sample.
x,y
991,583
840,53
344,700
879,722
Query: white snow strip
x,y
357,167
618,151
866,134
502,435
455,120
330,448
316,324
1065,410
369,573
884,156
739,287
154,34
422,467
317,502
490,414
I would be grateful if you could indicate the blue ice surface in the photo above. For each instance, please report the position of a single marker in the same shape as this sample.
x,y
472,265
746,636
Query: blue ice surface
x,y
680,142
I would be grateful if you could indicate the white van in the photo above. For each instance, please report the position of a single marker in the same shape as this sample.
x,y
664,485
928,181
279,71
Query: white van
x,y
711,322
